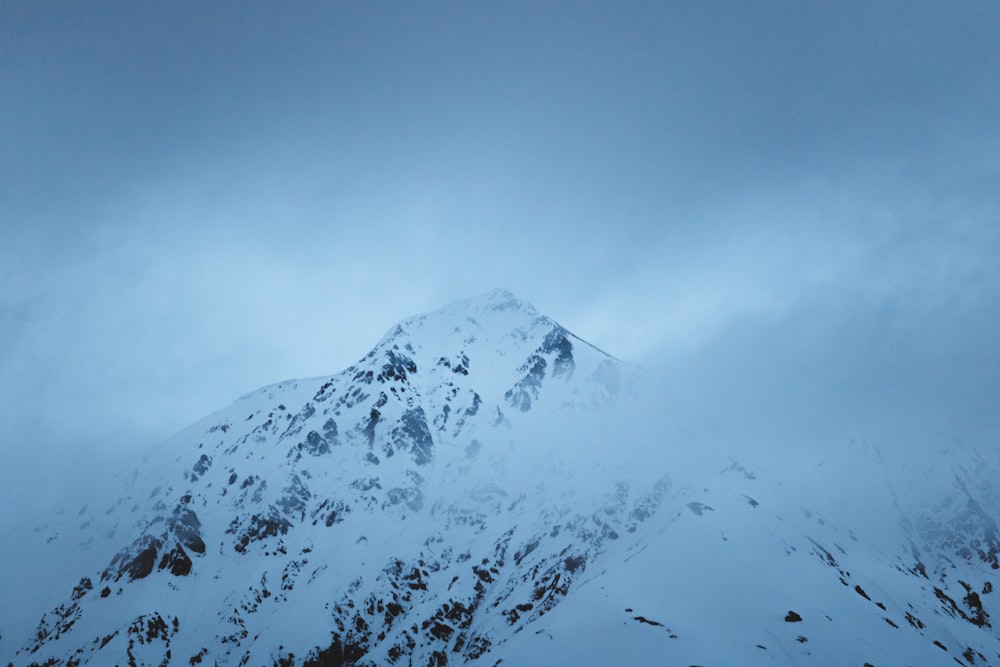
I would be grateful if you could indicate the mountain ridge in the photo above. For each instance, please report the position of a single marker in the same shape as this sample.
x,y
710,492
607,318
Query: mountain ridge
x,y
479,488
380,410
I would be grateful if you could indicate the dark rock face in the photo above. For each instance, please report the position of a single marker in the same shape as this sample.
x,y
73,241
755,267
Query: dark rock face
x,y
339,653
81,589
315,444
411,497
53,625
318,442
162,550
369,429
557,342
135,562
184,524
397,367
176,561
555,347
964,528
407,433
258,528
414,436
699,508
519,396
201,466
149,639
294,498
973,612
331,512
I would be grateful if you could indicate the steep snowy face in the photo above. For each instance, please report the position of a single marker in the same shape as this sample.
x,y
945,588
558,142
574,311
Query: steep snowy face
x,y
750,567
503,348
416,504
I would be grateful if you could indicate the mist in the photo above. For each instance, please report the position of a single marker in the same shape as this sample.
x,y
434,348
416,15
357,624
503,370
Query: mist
x,y
787,213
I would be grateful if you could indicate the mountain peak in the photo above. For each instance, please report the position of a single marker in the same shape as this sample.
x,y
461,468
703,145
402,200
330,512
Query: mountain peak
x,y
497,320
446,501
497,300
436,437
500,299
505,352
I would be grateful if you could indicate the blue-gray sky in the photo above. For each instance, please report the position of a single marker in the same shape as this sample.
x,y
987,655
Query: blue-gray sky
x,y
788,209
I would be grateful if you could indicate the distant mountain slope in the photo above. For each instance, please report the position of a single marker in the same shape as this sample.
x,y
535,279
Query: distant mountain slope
x,y
486,487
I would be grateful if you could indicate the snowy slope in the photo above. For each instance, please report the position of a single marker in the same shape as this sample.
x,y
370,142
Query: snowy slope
x,y
484,486
737,572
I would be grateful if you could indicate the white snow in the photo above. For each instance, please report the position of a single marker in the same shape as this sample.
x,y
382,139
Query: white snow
x,y
593,527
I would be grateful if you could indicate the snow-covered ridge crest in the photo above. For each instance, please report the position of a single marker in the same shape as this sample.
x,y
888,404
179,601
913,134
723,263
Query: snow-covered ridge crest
x,y
485,487
428,456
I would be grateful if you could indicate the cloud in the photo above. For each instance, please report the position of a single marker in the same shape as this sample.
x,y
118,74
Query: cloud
x,y
903,363
789,208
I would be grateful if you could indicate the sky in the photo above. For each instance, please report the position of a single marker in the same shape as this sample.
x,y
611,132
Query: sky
x,y
789,211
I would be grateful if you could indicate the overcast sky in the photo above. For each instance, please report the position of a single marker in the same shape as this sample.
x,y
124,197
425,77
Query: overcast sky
x,y
790,210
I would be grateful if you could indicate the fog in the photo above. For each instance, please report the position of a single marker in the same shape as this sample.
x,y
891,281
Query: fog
x,y
788,213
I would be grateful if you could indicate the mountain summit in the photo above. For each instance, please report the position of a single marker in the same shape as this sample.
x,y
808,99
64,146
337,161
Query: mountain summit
x,y
485,487
383,514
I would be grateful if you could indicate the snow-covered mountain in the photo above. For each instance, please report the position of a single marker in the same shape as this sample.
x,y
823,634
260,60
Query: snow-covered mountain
x,y
485,487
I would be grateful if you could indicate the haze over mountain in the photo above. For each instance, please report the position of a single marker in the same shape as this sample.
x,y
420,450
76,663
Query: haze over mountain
x,y
486,487
787,209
